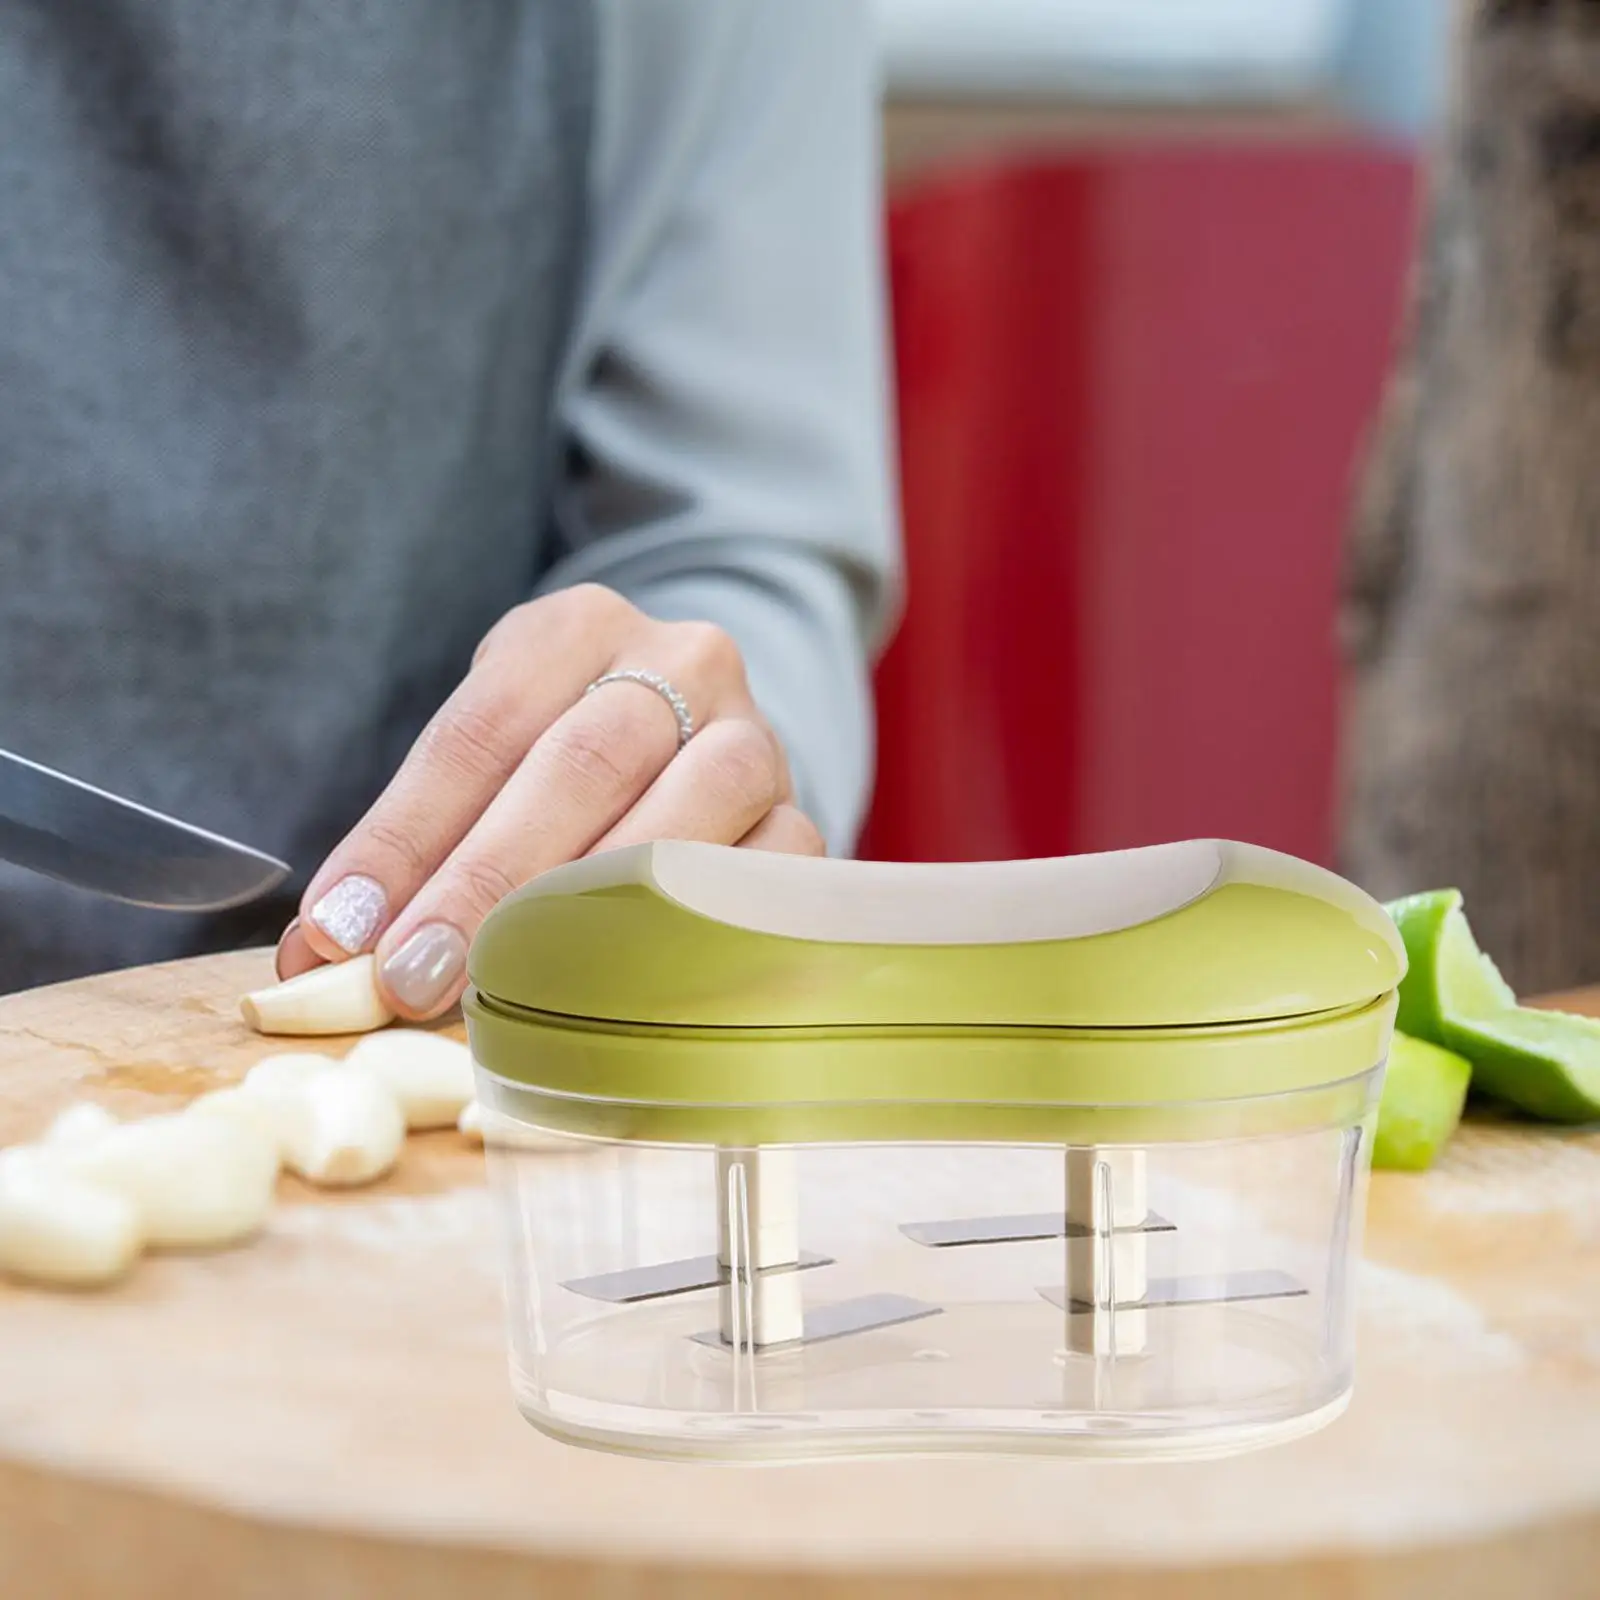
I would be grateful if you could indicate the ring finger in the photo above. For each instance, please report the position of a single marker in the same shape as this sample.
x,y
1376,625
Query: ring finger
x,y
724,784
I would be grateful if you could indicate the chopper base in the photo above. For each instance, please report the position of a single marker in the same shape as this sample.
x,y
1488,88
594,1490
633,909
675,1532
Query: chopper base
x,y
1219,1445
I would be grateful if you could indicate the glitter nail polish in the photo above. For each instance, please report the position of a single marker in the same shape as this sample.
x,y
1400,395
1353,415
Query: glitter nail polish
x,y
352,912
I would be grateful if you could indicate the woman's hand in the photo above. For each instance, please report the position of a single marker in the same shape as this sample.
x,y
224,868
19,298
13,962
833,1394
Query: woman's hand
x,y
521,770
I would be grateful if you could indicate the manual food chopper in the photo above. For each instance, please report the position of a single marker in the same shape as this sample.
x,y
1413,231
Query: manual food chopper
x,y
801,1157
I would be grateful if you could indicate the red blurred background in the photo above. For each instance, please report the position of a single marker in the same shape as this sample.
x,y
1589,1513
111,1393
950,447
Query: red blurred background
x,y
1134,383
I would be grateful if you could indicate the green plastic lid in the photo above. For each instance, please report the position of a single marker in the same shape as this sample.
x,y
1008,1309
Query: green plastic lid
x,y
1198,934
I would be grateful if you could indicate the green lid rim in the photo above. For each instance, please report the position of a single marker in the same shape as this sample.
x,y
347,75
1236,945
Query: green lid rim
x,y
726,1085
722,1033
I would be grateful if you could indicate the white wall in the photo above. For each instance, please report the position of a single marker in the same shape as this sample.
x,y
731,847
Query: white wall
x,y
1190,49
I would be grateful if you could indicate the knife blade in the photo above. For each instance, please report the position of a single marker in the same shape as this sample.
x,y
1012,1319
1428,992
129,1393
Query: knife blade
x,y
77,834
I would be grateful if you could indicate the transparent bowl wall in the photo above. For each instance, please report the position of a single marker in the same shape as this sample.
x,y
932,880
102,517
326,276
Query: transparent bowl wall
x,y
1245,1337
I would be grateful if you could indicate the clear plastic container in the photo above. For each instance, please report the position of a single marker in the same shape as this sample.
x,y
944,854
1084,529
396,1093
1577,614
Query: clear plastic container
x,y
929,1312
802,1158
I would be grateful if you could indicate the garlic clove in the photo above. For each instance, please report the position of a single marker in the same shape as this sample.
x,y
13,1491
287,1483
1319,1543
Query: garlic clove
x,y
195,1181
275,1115
342,997
60,1232
79,1125
269,1099
431,1076
470,1122
33,1159
275,1074
352,1131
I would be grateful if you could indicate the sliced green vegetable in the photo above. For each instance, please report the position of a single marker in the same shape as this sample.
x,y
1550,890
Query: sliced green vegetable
x,y
1448,977
1424,1089
1544,1063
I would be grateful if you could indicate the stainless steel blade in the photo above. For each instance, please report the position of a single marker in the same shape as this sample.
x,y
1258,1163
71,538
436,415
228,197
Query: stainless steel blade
x,y
674,1277
71,831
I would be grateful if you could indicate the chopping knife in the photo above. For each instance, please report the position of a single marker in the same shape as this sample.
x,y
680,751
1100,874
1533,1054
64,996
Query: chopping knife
x,y
65,829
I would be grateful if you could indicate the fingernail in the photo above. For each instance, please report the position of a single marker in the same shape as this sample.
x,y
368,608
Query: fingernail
x,y
351,912
424,970
283,940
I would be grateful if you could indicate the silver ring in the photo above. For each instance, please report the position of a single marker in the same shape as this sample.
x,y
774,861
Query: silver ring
x,y
653,680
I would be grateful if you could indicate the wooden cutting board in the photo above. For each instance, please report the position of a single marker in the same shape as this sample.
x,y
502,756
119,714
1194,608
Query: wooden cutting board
x,y
327,1413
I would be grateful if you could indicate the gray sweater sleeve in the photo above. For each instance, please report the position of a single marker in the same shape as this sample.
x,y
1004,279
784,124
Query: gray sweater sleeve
x,y
725,403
